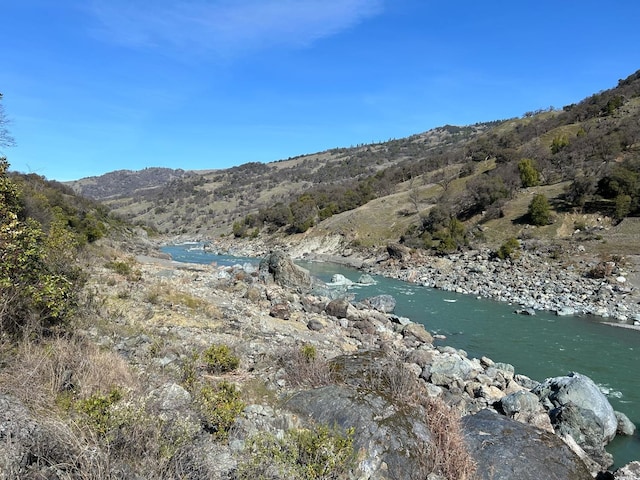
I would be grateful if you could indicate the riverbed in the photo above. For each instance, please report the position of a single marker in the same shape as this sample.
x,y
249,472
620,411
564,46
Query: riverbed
x,y
539,346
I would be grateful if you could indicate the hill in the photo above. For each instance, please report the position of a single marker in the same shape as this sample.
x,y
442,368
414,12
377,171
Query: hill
x,y
583,158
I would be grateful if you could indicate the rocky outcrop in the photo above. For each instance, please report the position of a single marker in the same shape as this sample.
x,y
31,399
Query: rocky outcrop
x,y
34,447
279,268
392,438
505,450
577,408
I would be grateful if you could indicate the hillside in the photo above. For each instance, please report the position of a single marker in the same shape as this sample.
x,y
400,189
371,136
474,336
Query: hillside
x,y
583,158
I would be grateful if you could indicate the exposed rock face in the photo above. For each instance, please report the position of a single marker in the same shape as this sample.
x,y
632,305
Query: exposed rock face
x,y
505,450
284,272
578,408
389,436
30,448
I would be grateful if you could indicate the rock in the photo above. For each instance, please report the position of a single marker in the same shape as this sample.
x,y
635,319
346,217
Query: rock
x,y
381,303
281,269
280,310
522,401
315,325
524,407
388,438
398,251
505,450
565,311
420,357
337,308
630,471
578,408
339,279
169,398
579,390
415,331
526,311
584,427
33,448
366,279
625,426
450,369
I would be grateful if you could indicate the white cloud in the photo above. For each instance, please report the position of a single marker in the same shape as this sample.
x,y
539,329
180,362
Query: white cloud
x,y
227,27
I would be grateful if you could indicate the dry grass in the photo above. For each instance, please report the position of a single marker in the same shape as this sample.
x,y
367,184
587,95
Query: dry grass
x,y
39,372
447,453
304,369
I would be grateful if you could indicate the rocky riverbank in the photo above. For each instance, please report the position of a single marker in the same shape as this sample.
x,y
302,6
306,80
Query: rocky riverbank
x,y
519,412
531,282
538,278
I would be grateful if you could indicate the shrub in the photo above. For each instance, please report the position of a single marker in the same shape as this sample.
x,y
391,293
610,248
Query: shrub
x,y
529,175
38,280
220,359
308,454
508,249
219,406
98,410
539,211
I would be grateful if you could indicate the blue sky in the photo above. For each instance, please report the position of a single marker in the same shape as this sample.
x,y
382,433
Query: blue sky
x,y
93,86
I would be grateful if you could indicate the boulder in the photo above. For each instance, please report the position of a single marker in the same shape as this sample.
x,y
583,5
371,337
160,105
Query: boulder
x,y
338,308
524,407
630,471
280,268
366,279
416,333
339,279
578,408
36,447
389,438
505,450
451,369
625,426
381,303
580,391
281,310
398,251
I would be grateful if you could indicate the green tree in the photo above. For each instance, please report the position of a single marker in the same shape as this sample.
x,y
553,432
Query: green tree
x,y
539,211
559,142
36,279
623,206
529,174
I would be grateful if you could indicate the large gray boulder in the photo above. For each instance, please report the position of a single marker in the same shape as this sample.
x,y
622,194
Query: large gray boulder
x,y
389,437
382,303
453,369
525,407
578,408
279,268
33,447
506,450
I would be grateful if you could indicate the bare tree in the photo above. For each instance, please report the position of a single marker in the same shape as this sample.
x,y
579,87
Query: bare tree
x,y
6,140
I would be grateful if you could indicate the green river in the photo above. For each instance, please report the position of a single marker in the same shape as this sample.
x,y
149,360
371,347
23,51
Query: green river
x,y
539,346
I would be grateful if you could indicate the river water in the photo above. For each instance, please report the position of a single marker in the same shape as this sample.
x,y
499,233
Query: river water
x,y
539,346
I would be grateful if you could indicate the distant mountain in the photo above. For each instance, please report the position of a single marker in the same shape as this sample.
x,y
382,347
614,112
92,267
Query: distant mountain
x,y
124,183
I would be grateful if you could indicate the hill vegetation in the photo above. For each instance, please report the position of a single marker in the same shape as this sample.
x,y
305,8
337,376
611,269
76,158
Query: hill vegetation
x,y
440,185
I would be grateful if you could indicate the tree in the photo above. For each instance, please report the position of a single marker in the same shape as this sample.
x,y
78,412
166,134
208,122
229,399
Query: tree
x,y
36,280
539,211
529,175
6,140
